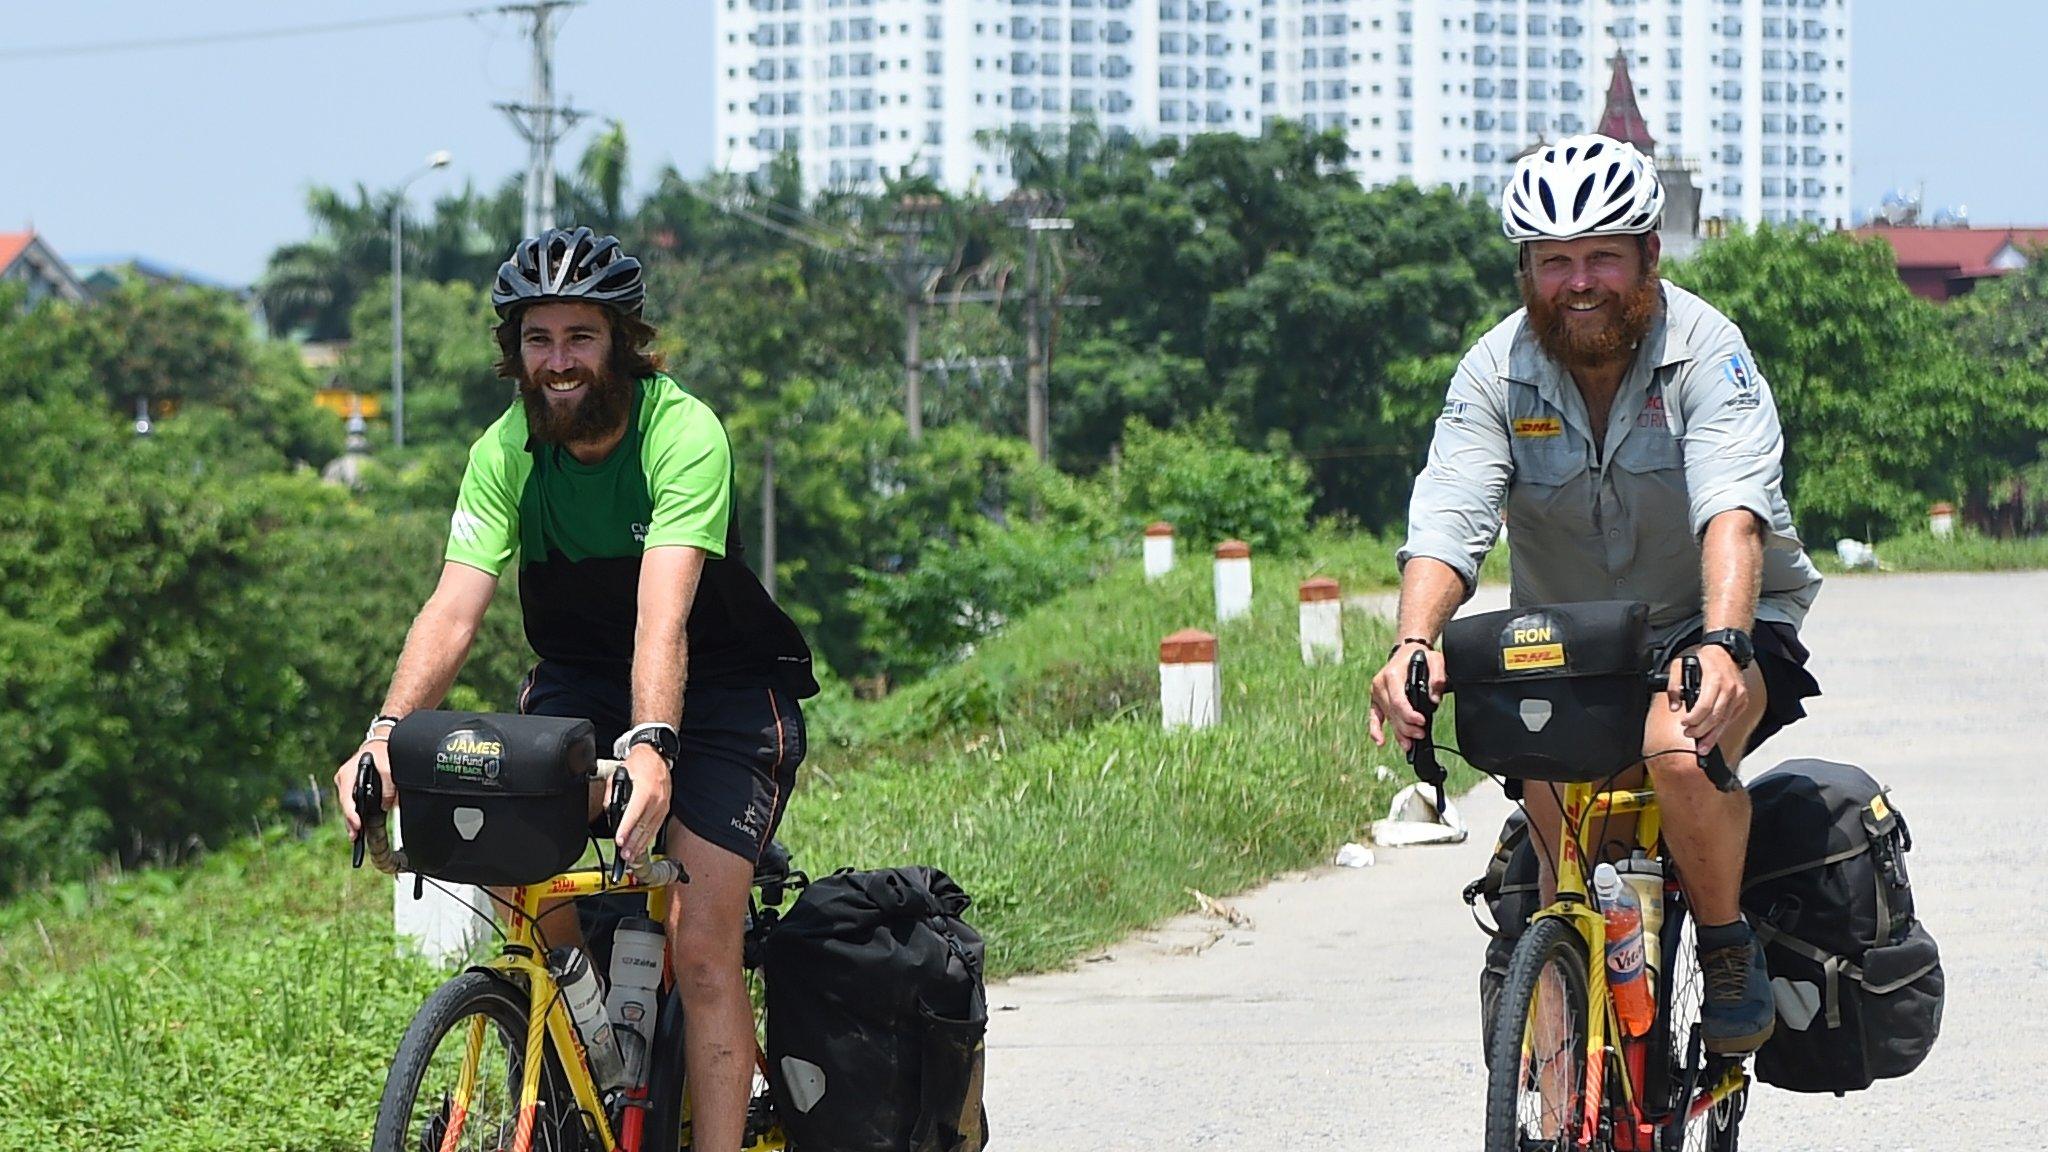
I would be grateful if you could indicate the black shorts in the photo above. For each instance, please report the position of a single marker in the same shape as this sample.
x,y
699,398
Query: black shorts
x,y
1781,658
741,748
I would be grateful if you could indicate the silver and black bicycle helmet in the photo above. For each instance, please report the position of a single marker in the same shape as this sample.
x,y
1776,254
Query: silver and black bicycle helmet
x,y
1587,185
569,264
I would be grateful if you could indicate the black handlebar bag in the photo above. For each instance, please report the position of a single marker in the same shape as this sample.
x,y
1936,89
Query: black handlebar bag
x,y
489,798
1556,692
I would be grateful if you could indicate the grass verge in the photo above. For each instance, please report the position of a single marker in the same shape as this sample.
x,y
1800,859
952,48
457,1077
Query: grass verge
x,y
1965,551
252,1001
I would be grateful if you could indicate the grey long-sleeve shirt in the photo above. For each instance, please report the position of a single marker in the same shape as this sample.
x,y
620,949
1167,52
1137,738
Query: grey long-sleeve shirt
x,y
1693,433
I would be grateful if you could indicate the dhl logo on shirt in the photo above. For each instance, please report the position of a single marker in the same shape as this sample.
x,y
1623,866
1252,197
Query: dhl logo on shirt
x,y
1539,426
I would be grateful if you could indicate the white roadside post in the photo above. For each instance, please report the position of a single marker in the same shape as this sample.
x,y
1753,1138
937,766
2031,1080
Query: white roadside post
x,y
1322,622
1190,691
1233,579
1158,549
1941,520
443,925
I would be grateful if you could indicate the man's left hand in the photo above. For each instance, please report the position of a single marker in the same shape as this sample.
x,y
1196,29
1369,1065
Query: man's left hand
x,y
648,807
1723,696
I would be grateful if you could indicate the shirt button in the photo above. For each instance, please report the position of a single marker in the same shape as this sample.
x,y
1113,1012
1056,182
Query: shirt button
x,y
1613,533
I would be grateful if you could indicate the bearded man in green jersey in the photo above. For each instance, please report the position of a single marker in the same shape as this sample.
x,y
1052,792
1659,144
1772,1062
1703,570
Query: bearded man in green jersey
x,y
613,488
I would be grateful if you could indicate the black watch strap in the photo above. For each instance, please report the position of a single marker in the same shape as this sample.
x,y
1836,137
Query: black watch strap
x,y
662,738
1735,642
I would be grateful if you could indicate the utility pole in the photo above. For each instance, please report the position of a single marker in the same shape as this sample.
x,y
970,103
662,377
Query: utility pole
x,y
768,516
1037,349
540,120
911,272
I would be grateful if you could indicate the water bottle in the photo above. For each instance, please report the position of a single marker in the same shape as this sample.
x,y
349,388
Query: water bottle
x,y
1627,977
1645,877
584,997
638,949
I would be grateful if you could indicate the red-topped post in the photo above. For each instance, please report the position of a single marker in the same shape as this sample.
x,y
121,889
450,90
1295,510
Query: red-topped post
x,y
1233,579
1322,621
1190,691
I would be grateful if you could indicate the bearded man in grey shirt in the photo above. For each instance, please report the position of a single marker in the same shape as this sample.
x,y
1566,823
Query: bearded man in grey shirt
x,y
1622,425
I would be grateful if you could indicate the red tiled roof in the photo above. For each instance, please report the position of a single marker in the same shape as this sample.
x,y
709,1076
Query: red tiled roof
x,y
12,245
1959,248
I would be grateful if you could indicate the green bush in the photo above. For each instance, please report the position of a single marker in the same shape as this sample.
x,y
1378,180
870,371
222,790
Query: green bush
x,y
1197,478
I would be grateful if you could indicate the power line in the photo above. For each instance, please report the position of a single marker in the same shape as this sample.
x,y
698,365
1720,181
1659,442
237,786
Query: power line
x,y
105,47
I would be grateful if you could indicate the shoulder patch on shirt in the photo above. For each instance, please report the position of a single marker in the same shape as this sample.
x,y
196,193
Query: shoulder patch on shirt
x,y
1539,426
1742,379
465,526
1454,411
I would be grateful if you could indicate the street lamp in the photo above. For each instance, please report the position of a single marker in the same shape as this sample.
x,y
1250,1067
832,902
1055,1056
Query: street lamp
x,y
437,160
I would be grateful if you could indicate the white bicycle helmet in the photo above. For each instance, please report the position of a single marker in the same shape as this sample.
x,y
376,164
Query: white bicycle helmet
x,y
1587,185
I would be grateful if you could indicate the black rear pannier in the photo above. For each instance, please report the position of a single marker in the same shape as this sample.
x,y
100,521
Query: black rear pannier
x,y
1857,978
1551,693
1510,890
486,798
876,1015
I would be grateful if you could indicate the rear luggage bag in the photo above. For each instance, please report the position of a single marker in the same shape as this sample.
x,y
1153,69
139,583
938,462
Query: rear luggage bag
x,y
1857,977
877,1014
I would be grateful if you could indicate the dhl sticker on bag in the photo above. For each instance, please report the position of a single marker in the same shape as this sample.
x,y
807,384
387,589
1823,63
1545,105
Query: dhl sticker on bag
x,y
1539,426
1532,656
1878,807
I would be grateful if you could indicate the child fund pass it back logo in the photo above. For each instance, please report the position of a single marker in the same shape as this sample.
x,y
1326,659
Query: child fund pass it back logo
x,y
470,755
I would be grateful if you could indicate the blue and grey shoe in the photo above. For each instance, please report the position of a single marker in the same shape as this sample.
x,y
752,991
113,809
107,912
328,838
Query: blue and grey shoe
x,y
1739,1012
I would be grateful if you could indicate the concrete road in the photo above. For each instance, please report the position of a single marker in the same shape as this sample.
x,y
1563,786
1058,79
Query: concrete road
x,y
1343,1013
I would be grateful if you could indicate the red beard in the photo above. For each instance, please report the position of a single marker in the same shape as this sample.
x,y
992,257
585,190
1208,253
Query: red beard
x,y
1576,346
600,411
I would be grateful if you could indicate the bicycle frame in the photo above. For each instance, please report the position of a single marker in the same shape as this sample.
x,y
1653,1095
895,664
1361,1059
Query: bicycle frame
x,y
1573,904
547,1017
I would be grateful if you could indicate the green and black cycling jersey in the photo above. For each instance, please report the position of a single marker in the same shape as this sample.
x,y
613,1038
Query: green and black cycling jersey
x,y
579,531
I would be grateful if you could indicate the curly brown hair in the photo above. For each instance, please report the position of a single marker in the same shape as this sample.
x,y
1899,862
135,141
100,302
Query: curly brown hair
x,y
631,357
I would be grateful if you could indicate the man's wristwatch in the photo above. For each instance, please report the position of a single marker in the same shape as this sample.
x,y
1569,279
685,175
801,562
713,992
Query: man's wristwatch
x,y
1735,641
662,738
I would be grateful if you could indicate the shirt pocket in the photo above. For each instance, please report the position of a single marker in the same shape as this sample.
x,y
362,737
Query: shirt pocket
x,y
1648,451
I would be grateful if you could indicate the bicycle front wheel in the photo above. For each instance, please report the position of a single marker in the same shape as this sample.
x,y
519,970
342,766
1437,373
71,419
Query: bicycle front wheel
x,y
1536,1089
454,1085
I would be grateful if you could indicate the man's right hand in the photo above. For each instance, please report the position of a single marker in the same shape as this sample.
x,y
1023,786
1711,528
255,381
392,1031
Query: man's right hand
x,y
345,782
1390,696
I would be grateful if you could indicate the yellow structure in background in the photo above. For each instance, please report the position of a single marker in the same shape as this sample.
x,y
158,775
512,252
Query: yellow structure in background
x,y
345,403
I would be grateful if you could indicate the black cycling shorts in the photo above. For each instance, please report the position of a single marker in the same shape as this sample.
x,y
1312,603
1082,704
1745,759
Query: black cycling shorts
x,y
1781,658
741,748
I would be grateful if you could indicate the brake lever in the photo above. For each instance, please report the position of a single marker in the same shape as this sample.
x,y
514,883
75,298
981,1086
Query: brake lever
x,y
615,815
369,798
1422,754
1713,763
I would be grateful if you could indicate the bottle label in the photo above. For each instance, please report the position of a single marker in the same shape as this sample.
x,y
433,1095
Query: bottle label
x,y
1625,957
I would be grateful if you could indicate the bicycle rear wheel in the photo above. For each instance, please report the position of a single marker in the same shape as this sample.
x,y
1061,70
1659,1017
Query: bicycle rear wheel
x,y
1536,1089
454,1085
1691,1069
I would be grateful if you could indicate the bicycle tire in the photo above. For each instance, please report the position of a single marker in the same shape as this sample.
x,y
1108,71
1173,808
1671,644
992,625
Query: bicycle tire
x,y
1684,991
558,1124
1548,948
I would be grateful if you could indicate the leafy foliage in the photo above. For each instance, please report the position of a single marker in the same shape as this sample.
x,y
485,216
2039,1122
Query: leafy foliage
x,y
1883,411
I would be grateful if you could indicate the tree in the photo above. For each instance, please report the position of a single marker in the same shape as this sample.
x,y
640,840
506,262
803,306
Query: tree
x,y
452,390
1883,410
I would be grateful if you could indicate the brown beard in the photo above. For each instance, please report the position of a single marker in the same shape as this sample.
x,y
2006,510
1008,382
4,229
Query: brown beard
x,y
597,414
1616,340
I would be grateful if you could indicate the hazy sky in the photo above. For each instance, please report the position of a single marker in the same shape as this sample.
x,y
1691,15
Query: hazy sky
x,y
201,156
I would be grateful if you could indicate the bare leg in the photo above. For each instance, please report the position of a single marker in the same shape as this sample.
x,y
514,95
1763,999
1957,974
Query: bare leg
x,y
1707,829
705,922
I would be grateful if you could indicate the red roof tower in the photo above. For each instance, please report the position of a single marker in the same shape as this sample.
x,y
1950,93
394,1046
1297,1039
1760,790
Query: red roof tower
x,y
1622,119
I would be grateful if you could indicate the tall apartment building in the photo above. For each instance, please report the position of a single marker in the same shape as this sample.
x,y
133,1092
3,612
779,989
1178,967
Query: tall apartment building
x,y
1755,92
